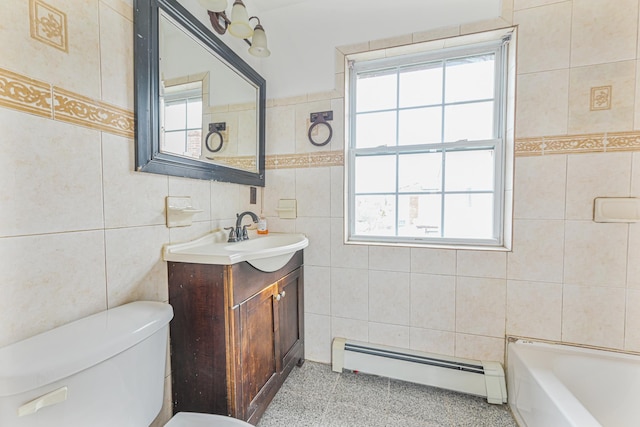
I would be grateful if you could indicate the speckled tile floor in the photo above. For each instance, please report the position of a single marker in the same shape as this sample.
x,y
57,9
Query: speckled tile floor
x,y
314,396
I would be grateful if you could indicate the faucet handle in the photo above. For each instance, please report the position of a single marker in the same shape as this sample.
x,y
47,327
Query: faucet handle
x,y
245,233
233,237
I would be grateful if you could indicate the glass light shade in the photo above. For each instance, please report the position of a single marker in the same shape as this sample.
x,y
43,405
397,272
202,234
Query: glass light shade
x,y
259,43
240,21
214,5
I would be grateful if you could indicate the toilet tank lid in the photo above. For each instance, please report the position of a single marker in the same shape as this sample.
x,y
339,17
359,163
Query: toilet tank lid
x,y
71,348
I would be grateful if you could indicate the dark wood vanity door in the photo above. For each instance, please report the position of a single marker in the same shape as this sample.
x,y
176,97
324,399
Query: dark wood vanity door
x,y
291,316
198,338
236,335
259,343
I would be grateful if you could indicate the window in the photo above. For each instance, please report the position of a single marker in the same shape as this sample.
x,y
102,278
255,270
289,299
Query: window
x,y
426,154
183,120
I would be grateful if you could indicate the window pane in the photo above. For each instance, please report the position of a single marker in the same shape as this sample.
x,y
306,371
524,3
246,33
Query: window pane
x,y
420,172
194,143
468,121
421,86
194,114
376,92
420,126
426,130
175,116
470,78
375,215
468,216
174,142
469,170
375,174
376,129
419,216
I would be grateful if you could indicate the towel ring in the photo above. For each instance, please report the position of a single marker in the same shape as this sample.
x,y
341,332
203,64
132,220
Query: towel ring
x,y
318,119
214,129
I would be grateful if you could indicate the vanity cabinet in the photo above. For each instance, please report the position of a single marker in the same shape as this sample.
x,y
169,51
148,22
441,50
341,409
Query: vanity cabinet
x,y
237,333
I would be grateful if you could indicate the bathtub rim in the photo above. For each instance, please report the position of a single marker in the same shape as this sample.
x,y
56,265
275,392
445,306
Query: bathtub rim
x,y
557,349
571,345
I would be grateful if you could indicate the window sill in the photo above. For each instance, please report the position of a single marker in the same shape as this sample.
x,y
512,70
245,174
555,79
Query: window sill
x,y
430,245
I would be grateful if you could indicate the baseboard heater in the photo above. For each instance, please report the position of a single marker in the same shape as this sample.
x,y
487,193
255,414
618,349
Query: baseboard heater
x,y
480,378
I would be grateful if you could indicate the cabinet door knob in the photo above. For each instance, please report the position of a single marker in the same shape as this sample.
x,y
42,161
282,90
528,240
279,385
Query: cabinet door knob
x,y
283,293
278,297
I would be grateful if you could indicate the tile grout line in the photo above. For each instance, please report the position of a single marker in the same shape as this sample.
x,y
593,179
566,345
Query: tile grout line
x,y
329,401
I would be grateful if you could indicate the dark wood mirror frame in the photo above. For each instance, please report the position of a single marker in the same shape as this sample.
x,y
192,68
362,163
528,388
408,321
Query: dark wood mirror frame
x,y
146,70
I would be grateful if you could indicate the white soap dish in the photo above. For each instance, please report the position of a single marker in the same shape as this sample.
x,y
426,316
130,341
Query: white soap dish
x,y
287,209
616,209
180,212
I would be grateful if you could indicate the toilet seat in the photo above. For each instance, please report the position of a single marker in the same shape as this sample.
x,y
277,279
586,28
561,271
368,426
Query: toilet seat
x,y
192,419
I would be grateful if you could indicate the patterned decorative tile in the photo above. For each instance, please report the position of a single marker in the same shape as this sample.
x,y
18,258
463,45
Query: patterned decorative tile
x,y
24,94
600,98
327,158
305,160
73,108
48,25
240,162
270,162
622,141
571,144
290,161
285,161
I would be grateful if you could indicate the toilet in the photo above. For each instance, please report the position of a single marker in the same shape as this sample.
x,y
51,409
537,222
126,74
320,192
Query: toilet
x,y
104,370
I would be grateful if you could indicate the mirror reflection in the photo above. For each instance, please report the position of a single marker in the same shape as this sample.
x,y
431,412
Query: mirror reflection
x,y
207,110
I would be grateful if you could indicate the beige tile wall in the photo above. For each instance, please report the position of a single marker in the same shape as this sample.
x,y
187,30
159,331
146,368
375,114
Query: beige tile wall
x,y
80,231
567,279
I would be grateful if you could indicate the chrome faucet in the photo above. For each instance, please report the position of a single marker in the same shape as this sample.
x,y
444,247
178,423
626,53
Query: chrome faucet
x,y
241,230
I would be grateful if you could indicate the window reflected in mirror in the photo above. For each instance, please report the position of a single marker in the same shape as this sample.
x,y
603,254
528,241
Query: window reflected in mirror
x,y
200,108
198,91
181,109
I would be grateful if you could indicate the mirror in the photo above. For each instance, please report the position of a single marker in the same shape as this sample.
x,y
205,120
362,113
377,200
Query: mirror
x,y
200,108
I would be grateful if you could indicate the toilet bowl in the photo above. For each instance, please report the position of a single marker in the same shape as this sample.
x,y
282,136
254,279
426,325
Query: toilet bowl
x,y
192,419
104,370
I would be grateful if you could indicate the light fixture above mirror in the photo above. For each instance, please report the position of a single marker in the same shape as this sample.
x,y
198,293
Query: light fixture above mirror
x,y
238,26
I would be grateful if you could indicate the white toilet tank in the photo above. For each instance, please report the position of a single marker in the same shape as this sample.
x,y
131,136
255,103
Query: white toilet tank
x,y
104,370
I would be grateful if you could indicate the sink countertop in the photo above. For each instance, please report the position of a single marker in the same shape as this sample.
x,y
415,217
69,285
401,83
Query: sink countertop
x,y
265,252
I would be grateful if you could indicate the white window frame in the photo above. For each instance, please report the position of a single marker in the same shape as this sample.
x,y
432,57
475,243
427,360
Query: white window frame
x,y
182,93
499,45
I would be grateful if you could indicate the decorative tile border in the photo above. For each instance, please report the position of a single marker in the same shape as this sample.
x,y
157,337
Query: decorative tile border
x,y
571,144
326,158
48,25
73,108
305,160
291,161
24,94
622,141
28,95
240,162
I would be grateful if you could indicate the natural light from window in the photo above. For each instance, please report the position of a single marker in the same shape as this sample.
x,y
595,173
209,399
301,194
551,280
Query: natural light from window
x,y
426,154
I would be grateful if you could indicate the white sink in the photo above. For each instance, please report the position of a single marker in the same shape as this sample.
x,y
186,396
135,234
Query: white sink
x,y
267,253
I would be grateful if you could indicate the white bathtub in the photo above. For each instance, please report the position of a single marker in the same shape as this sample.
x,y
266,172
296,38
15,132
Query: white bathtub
x,y
562,386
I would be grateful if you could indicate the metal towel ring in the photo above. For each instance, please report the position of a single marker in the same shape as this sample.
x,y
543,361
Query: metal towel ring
x,y
214,129
320,119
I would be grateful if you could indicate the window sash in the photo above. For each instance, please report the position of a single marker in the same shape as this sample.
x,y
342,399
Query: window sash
x,y
396,66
